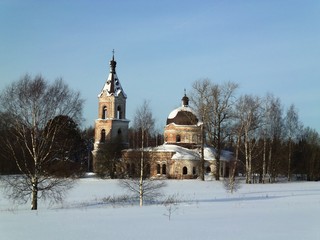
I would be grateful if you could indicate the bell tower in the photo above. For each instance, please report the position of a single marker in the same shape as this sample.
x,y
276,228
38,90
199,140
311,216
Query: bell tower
x,y
111,123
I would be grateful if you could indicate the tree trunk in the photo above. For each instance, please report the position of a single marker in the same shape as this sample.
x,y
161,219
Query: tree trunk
x,y
217,175
234,165
270,171
141,181
289,161
248,157
34,197
202,154
218,153
141,171
264,160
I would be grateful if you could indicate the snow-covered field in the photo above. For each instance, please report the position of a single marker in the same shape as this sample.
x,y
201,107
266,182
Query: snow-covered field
x,y
270,211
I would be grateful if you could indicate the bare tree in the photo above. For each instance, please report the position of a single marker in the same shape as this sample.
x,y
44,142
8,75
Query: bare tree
x,y
32,105
274,131
249,116
231,184
223,101
237,132
293,127
150,189
214,104
145,122
265,132
201,99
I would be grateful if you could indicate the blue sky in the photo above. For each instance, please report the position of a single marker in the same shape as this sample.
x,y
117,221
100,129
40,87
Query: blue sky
x,y
162,47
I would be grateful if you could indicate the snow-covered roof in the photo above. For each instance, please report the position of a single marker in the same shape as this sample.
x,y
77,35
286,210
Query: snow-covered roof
x,y
183,115
210,152
174,113
112,87
181,153
112,82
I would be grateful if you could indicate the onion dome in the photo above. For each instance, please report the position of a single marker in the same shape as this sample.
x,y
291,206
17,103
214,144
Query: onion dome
x,y
183,115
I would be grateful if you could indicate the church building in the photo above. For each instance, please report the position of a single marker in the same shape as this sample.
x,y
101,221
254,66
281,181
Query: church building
x,y
179,157
111,123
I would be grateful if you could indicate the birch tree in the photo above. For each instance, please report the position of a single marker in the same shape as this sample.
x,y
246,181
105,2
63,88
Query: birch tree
x,y
292,127
237,132
214,104
274,123
144,121
201,99
249,116
223,100
32,104
265,133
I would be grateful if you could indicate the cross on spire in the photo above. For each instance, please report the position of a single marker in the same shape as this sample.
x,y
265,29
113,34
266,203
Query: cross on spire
x,y
185,99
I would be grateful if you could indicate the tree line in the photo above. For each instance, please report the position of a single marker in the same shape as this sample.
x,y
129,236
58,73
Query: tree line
x,y
42,142
268,140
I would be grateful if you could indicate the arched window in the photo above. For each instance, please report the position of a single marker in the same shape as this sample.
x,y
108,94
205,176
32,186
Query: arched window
x,y
184,170
178,138
104,112
164,169
194,171
119,113
158,168
208,169
119,131
103,135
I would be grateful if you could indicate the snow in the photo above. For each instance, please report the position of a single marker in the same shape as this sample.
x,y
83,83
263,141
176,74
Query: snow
x,y
182,153
117,85
209,154
269,211
174,113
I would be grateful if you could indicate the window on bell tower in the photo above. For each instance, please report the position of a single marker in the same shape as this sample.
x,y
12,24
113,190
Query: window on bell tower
x,y
104,112
119,113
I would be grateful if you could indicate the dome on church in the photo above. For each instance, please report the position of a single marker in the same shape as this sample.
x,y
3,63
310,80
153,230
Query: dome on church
x,y
183,115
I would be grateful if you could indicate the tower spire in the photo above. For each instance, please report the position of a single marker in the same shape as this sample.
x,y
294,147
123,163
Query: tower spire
x,y
185,99
113,64
112,85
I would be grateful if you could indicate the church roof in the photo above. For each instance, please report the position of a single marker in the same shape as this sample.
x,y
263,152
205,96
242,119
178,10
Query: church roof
x,y
112,87
181,153
183,115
